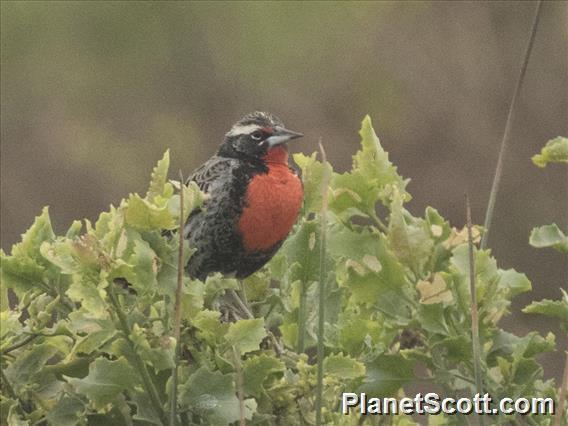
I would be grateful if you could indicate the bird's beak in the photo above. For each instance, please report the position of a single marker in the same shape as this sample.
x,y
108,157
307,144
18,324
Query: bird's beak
x,y
282,135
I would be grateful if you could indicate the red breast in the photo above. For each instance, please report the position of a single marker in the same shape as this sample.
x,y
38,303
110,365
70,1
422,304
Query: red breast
x,y
273,201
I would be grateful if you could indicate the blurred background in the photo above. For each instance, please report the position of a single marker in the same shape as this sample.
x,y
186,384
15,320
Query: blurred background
x,y
93,93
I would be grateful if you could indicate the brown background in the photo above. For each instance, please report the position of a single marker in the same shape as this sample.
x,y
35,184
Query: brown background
x,y
92,93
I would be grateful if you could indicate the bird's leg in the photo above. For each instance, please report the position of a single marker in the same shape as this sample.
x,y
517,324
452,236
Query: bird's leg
x,y
245,309
242,306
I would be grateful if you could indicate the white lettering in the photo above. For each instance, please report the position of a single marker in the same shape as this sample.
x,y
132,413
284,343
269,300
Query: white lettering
x,y
348,400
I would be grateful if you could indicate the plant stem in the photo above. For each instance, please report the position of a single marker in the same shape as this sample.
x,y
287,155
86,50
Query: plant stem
x,y
302,317
241,304
378,221
19,344
562,395
507,131
321,288
249,315
239,383
140,365
177,307
6,385
474,314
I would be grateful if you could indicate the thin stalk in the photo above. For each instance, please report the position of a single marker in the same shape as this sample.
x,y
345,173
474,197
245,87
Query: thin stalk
x,y
147,382
19,344
321,287
562,395
246,310
380,224
7,386
177,308
239,383
241,304
302,317
507,131
474,313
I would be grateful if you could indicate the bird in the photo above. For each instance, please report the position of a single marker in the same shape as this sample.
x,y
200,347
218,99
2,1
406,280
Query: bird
x,y
254,199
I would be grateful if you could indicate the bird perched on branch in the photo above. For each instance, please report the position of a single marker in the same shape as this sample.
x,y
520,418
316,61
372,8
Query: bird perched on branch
x,y
254,199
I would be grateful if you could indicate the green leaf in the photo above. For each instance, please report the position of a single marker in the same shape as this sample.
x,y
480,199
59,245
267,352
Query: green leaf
x,y
106,380
386,289
9,323
301,248
372,161
146,216
354,332
522,347
192,299
209,326
373,178
108,229
257,286
344,243
551,308
61,253
140,267
215,285
93,341
312,172
20,273
555,151
514,281
211,395
144,413
193,199
4,301
289,334
432,318
246,334
439,228
386,374
39,232
486,272
434,290
88,289
159,352
455,349
159,177
344,367
353,194
257,370
29,363
13,417
549,236
83,321
74,230
409,238
526,370
68,411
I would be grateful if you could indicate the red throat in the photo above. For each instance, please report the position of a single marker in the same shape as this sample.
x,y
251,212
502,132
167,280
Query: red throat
x,y
278,154
273,201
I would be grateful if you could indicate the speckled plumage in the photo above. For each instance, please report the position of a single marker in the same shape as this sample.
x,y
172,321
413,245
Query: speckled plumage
x,y
214,230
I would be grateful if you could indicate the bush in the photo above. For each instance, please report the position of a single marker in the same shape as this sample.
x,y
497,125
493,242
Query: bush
x,y
78,347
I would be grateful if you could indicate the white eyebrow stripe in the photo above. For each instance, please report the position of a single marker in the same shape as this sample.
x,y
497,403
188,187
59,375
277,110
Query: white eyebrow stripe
x,y
243,130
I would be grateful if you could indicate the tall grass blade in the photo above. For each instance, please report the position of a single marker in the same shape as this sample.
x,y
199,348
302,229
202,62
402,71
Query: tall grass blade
x,y
474,314
562,396
177,307
506,134
321,288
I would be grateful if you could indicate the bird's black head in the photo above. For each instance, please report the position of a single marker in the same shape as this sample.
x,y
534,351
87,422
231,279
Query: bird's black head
x,y
255,135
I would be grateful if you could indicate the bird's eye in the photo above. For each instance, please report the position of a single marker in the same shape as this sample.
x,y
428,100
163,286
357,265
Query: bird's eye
x,y
256,135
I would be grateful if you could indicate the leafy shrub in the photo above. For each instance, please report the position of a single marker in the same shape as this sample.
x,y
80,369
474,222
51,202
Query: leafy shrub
x,y
78,347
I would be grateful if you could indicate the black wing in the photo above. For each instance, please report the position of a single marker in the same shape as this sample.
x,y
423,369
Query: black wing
x,y
211,177
215,170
